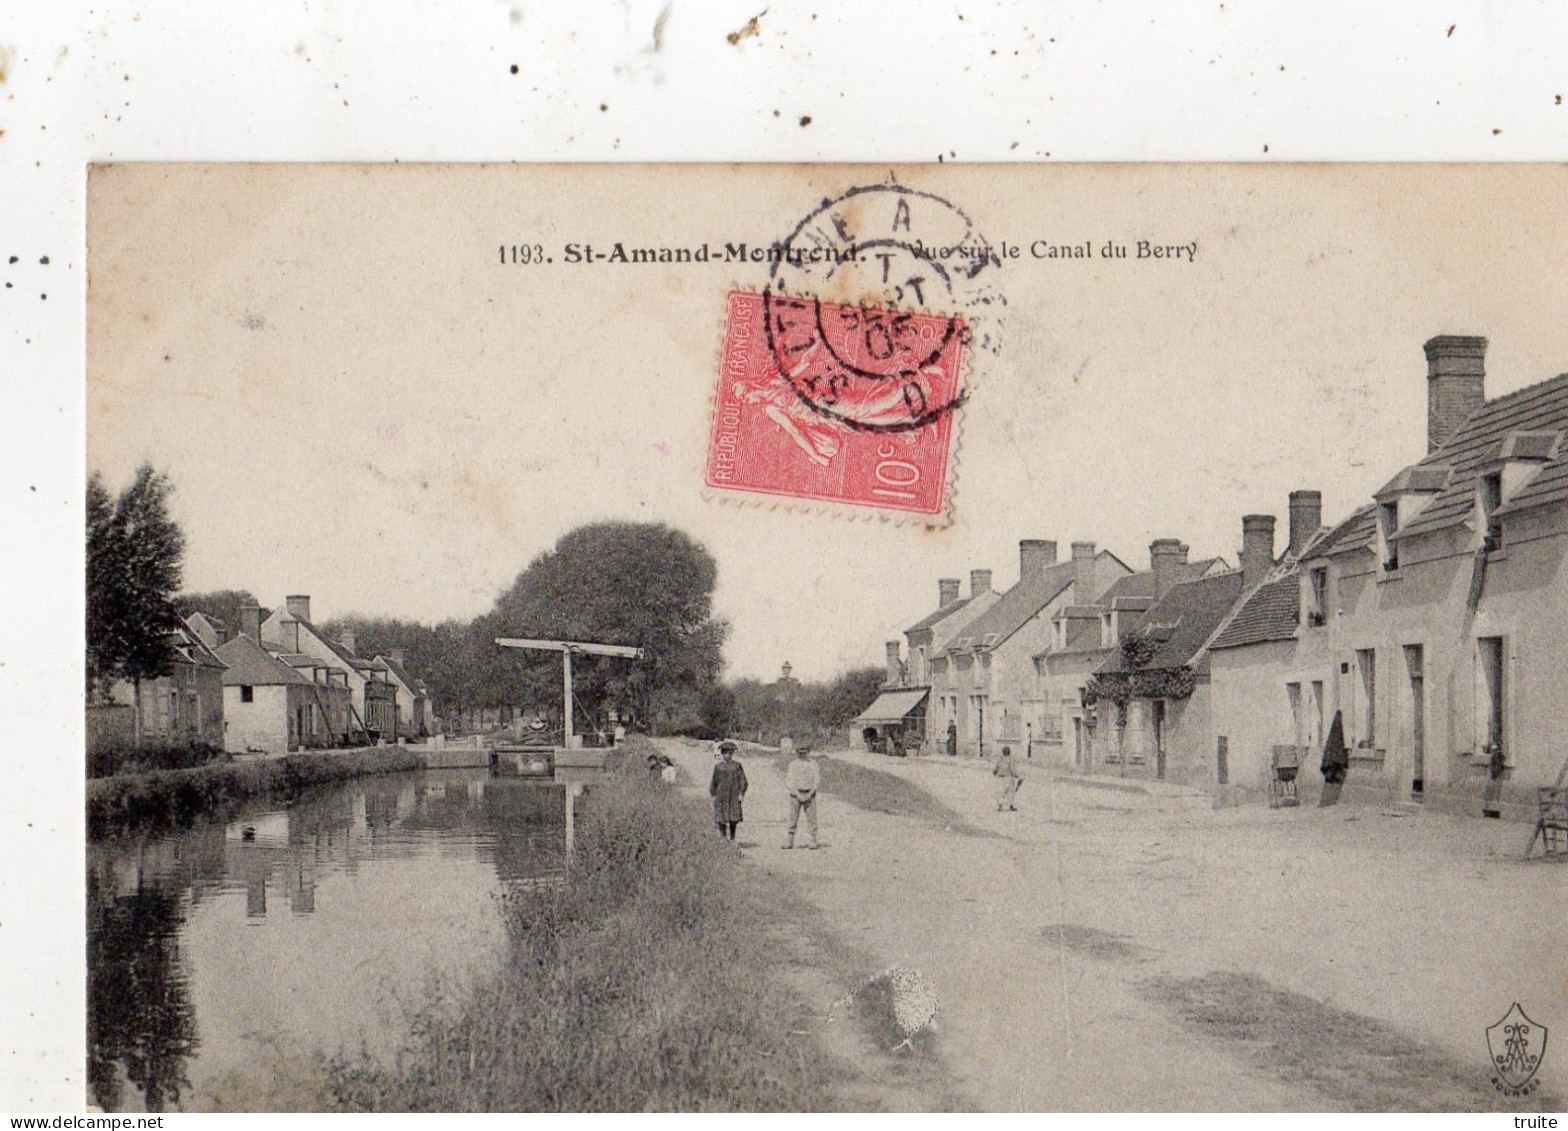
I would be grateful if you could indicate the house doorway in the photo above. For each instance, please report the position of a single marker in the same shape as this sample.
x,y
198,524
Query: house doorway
x,y
1159,739
1416,665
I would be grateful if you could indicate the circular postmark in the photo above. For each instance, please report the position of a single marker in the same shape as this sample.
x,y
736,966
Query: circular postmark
x,y
872,300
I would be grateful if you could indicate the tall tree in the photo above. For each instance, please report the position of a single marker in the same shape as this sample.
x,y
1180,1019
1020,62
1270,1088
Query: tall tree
x,y
641,584
105,574
135,555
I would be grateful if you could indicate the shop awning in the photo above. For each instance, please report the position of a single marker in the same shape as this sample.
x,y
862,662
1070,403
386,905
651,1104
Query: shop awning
x,y
892,707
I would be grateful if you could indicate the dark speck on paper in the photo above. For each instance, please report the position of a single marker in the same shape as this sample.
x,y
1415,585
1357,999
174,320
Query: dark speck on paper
x,y
514,68
805,119
1451,28
44,260
746,30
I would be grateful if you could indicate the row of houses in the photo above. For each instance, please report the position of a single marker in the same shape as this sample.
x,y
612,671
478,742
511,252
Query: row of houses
x,y
1427,619
275,683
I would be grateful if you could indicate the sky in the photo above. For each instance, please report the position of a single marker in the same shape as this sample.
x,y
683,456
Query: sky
x,y
357,401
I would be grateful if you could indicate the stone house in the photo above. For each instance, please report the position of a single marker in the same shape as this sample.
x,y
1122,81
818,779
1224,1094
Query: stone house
x,y
1429,618
1083,637
271,707
414,714
183,708
290,632
985,681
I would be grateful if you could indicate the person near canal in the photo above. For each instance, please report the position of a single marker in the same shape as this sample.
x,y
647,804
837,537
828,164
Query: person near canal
x,y
1336,761
1492,792
727,788
1007,770
802,779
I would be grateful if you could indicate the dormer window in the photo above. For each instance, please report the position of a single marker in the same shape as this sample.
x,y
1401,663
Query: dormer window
x,y
1387,527
1316,596
1490,488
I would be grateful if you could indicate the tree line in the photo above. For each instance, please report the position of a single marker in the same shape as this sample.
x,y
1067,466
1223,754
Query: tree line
x,y
646,585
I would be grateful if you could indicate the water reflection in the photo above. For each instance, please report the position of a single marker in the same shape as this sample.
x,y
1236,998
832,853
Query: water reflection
x,y
291,930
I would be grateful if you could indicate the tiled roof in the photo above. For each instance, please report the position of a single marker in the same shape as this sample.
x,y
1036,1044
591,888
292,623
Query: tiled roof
x,y
1185,618
397,669
1017,605
1353,533
1538,408
1416,477
1271,613
941,614
193,650
1142,584
249,663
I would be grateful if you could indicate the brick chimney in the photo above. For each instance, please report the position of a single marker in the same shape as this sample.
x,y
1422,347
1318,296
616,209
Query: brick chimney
x,y
1257,548
979,582
251,617
398,656
1083,573
298,606
1306,516
348,638
1166,557
947,591
895,668
1455,385
1034,554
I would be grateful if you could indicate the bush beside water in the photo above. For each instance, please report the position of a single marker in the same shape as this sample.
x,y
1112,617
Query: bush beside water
x,y
647,982
168,797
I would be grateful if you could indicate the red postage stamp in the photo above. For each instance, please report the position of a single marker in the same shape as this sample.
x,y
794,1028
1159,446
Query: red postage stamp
x,y
835,404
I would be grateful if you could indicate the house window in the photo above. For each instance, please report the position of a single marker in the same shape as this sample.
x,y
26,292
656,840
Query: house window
x,y
1388,525
1298,718
1315,716
1317,596
1366,671
1494,695
1491,488
247,693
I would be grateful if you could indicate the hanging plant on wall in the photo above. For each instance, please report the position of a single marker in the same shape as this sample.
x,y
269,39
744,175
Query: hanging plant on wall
x,y
1138,681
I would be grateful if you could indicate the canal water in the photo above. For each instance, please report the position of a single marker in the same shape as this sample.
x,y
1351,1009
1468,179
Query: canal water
x,y
217,954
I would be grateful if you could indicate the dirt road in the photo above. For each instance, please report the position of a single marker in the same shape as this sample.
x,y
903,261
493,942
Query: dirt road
x,y
1127,947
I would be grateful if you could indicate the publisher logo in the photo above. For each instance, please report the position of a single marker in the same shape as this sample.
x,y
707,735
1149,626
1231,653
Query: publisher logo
x,y
1517,1045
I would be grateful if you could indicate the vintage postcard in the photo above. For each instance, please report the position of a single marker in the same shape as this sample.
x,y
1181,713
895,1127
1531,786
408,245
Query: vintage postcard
x,y
826,637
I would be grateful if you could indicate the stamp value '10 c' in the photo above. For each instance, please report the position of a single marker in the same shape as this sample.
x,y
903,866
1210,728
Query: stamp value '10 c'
x,y
848,406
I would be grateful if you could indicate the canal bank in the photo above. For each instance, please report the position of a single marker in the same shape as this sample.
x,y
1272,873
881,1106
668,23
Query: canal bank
x,y
230,958
657,978
171,797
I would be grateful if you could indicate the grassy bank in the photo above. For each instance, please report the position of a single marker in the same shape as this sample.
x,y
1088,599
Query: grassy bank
x,y
172,797
647,982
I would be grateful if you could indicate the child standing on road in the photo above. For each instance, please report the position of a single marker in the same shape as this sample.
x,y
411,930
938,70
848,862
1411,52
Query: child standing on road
x,y
1007,770
802,779
727,788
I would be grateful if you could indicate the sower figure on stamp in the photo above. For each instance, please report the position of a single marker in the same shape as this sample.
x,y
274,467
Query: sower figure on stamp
x,y
727,788
1007,770
802,779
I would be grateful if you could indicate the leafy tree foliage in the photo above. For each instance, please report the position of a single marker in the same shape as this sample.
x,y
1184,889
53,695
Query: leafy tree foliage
x,y
135,553
640,584
221,604
764,712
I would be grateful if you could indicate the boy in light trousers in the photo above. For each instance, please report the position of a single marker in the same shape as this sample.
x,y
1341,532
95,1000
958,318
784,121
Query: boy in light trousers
x,y
802,779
